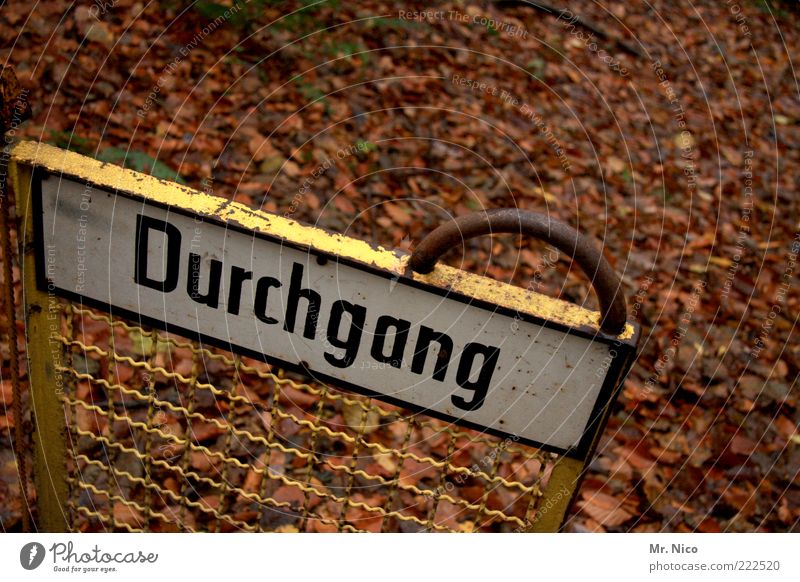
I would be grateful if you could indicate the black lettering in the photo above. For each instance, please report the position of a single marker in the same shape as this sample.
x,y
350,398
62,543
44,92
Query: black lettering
x,y
296,293
480,386
424,339
144,224
211,297
238,276
358,315
382,326
260,303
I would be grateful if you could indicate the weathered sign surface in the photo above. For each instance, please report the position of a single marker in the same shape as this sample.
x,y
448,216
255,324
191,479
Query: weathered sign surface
x,y
452,350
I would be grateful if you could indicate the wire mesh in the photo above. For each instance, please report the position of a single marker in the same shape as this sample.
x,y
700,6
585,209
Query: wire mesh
x,y
165,434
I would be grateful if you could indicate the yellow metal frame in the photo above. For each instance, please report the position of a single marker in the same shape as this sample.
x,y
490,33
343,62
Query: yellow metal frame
x,y
49,438
49,412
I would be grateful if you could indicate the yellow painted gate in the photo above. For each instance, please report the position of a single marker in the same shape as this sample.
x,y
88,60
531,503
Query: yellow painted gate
x,y
141,430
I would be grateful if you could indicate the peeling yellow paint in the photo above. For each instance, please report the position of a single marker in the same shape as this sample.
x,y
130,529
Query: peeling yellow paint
x,y
105,175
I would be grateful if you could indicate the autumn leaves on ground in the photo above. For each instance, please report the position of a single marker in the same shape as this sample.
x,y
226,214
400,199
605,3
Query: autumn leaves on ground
x,y
668,131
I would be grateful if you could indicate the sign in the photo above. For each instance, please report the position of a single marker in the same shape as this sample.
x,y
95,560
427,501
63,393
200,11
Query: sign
x,y
452,345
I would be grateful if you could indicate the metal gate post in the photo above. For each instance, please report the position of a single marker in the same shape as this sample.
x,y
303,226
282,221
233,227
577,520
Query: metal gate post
x,y
558,495
42,315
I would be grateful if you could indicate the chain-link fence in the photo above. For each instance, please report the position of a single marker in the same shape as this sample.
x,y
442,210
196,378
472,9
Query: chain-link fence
x,y
165,435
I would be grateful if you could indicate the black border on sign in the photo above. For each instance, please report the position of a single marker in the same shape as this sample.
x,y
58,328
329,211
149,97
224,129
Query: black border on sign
x,y
608,393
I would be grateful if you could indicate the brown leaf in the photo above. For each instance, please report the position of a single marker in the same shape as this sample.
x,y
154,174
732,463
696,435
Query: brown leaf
x,y
128,515
359,419
741,445
205,431
6,393
288,494
605,509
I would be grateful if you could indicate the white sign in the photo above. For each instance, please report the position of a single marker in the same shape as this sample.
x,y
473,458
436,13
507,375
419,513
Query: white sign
x,y
346,323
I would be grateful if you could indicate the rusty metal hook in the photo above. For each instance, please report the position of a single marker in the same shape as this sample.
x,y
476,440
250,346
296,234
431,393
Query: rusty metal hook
x,y
604,279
